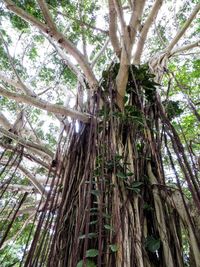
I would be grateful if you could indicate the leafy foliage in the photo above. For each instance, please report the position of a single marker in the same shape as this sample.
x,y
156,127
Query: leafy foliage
x,y
152,244
172,108
89,263
108,177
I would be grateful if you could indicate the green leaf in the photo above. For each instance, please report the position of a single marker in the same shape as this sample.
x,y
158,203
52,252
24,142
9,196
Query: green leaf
x,y
91,253
108,216
152,244
89,263
118,157
129,173
172,108
121,175
114,247
95,192
108,227
134,189
136,184
33,53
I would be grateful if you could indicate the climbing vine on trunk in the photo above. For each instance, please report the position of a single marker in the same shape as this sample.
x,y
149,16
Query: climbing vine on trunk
x,y
112,204
111,177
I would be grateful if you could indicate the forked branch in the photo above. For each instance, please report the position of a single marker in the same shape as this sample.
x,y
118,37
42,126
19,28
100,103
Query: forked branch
x,y
185,48
127,45
152,16
59,38
39,103
46,13
26,143
181,32
120,14
113,28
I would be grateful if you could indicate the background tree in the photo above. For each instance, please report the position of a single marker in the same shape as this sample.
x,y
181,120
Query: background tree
x,y
99,133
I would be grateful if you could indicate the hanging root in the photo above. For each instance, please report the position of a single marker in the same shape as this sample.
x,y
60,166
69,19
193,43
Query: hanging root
x,y
109,202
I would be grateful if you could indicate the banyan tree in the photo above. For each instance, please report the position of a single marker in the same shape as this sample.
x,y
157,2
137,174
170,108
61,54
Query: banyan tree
x,y
99,133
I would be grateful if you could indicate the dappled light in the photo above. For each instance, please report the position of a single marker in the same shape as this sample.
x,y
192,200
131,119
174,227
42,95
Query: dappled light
x,y
99,133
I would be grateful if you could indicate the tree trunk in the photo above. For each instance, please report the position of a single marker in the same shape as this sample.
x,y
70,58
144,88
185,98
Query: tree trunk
x,y
112,209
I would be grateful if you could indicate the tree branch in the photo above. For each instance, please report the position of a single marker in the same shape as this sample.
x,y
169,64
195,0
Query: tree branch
x,y
163,42
81,22
26,143
54,108
18,232
136,17
113,28
27,155
152,16
21,188
93,27
84,42
178,201
120,14
183,29
127,45
33,132
25,131
45,11
190,104
185,48
33,180
4,122
58,37
36,184
22,86
100,52
67,61
12,82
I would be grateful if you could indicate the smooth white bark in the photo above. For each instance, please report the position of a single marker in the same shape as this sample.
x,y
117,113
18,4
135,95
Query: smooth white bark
x,y
39,103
